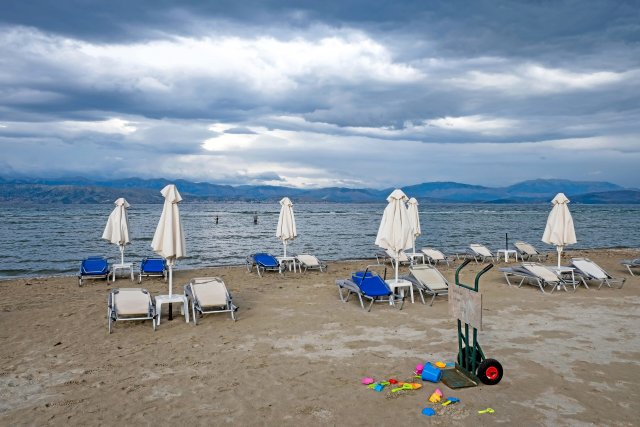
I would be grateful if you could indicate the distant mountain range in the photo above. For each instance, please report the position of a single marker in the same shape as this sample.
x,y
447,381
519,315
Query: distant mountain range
x,y
83,190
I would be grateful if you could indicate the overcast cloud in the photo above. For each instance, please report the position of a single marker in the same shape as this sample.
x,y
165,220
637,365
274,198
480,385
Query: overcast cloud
x,y
347,93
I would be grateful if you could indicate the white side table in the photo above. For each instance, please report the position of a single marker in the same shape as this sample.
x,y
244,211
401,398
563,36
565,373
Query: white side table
x,y
401,284
166,299
507,253
124,266
287,261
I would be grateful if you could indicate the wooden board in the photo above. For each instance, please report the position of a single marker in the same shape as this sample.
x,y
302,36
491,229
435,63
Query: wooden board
x,y
466,305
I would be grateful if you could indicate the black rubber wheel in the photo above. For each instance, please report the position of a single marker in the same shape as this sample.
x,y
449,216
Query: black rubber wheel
x,y
490,372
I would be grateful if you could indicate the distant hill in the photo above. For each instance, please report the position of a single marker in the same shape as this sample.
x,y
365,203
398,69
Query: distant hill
x,y
83,190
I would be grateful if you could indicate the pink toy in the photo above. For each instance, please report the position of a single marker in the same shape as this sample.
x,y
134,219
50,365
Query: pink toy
x,y
367,381
419,369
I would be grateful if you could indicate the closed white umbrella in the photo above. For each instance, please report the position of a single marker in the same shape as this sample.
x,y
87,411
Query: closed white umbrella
x,y
168,240
559,230
395,232
414,218
286,230
117,228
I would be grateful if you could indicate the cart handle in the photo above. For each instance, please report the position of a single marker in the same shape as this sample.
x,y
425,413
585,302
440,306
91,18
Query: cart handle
x,y
477,280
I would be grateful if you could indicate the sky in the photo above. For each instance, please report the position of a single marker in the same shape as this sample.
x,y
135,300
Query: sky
x,y
310,94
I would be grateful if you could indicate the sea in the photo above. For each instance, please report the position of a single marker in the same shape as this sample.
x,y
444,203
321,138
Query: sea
x,y
51,240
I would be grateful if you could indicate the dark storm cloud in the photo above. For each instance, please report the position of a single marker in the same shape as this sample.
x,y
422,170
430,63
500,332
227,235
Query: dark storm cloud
x,y
295,92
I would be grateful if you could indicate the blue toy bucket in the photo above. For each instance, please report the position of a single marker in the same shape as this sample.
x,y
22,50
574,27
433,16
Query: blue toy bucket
x,y
431,373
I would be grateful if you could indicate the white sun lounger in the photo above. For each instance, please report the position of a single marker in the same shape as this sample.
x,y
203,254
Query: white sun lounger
x,y
427,279
537,274
480,252
589,270
130,304
387,255
310,262
434,256
209,295
631,263
527,252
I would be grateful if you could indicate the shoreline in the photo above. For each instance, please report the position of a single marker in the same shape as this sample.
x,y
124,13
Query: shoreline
x,y
177,268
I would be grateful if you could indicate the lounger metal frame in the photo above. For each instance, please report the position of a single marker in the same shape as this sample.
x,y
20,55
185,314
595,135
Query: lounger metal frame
x,y
352,288
162,274
527,275
84,274
478,256
229,307
424,287
524,255
631,263
251,262
585,276
435,261
321,265
112,312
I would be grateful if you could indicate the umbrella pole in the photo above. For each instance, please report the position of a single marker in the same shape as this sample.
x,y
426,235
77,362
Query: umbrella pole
x,y
121,254
170,290
559,249
397,265
284,243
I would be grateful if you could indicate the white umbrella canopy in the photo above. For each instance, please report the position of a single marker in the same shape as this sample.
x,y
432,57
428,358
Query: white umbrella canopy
x,y
168,240
117,229
286,230
559,230
395,232
414,218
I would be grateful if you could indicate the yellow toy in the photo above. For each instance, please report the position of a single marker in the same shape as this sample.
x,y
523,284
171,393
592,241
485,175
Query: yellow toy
x,y
436,396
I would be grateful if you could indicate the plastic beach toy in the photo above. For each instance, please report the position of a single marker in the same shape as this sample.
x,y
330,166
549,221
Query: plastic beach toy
x,y
406,386
441,365
419,369
428,412
436,396
450,400
367,381
431,373
486,411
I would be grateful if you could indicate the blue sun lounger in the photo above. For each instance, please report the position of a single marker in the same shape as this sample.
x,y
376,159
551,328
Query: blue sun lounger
x,y
367,284
94,267
263,261
153,267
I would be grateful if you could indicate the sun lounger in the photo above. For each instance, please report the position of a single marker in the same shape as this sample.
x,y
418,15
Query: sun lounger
x,y
209,295
537,274
310,262
369,285
388,255
427,279
480,252
130,304
630,264
527,252
153,267
590,271
434,256
94,267
263,262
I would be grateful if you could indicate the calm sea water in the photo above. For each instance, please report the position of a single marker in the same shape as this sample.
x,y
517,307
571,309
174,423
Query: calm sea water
x,y
51,240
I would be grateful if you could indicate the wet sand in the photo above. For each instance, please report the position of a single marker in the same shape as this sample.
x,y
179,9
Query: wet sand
x,y
297,353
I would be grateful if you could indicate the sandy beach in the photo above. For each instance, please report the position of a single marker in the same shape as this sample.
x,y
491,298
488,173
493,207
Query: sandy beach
x,y
297,353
